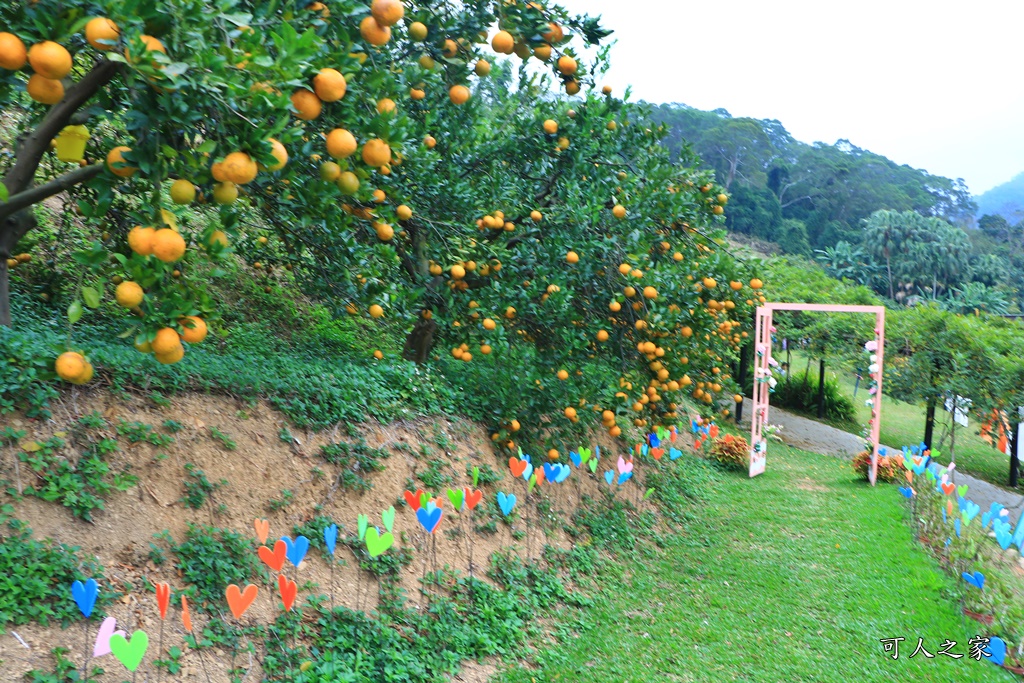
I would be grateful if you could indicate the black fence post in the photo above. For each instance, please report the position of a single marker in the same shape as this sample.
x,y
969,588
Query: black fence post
x,y
742,379
821,389
1014,462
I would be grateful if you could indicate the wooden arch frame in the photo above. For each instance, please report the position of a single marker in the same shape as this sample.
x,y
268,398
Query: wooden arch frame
x,y
762,375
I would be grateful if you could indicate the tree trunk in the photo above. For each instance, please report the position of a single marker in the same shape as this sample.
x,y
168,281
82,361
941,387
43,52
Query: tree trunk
x,y
11,231
821,389
1014,462
420,341
929,422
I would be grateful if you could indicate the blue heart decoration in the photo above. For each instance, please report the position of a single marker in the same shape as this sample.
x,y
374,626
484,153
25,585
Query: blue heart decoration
x,y
956,525
597,456
1004,537
624,477
645,449
674,454
331,537
944,516
919,469
985,519
85,596
977,579
575,457
528,472
694,427
296,550
907,491
997,650
549,472
961,503
971,511
429,519
609,476
506,503
1018,532
563,473
999,525
654,440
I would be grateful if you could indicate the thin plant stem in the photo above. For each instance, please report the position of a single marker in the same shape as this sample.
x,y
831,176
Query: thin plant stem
x,y
86,658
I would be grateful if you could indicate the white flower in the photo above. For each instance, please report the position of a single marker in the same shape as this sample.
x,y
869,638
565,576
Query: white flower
x,y
869,402
873,358
873,368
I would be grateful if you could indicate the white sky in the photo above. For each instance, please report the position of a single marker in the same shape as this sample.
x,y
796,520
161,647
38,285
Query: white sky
x,y
937,84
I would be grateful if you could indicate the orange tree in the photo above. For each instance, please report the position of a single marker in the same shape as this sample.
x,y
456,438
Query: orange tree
x,y
394,174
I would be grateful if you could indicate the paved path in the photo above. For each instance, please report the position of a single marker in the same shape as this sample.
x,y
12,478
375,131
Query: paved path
x,y
809,435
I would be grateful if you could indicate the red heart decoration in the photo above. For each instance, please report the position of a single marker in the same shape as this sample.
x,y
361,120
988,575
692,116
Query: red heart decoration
x,y
948,488
517,466
274,558
186,615
473,498
262,527
910,476
539,472
163,598
657,453
413,499
289,589
238,600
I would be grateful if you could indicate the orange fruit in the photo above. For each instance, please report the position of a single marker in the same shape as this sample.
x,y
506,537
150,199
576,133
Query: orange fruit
x,y
572,257
418,31
607,90
553,453
551,126
376,152
225,193
403,212
385,106
129,294
152,45
342,144
602,335
116,156
482,68
279,152
756,284
457,272
373,33
195,329
567,65
218,237
385,233
239,168
430,141
417,94
140,240
510,312
451,48
485,349
503,42
378,354
307,105
514,425
172,356
615,306
563,375
168,245
542,52
329,85
650,292
555,34
101,28
387,12
536,216
70,366
723,199
13,54
467,356
709,283
50,60
348,182
330,171
459,94
45,90
619,211
572,87
166,341
183,191
489,324
687,331
570,413
677,257
376,311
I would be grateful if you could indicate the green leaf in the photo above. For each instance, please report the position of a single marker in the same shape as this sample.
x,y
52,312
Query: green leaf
x,y
91,297
207,147
75,311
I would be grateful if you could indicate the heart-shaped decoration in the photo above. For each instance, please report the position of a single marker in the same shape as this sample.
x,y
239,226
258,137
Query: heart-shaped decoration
x,y
656,453
262,527
473,498
956,526
625,466
538,473
1004,537
962,489
84,595
970,511
644,449
413,499
476,476
575,459
238,600
506,503
563,473
107,629
549,471
424,499
377,544
517,466
288,590
362,521
948,488
186,615
997,650
528,472
674,454
593,466
977,579
907,491
609,476
910,476
585,454
274,558
624,477
297,549
654,440
130,653
429,519
330,538
388,517
163,598
456,496
532,483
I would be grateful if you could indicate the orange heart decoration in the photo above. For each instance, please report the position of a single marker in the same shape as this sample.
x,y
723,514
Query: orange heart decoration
x,y
186,615
948,488
473,498
289,589
657,453
238,600
262,529
163,598
910,476
413,499
517,466
540,474
274,558
949,507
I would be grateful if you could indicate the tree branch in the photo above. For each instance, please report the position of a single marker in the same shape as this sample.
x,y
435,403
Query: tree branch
x,y
36,194
32,147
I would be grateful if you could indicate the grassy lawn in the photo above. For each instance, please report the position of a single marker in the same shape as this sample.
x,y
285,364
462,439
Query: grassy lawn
x,y
792,576
903,425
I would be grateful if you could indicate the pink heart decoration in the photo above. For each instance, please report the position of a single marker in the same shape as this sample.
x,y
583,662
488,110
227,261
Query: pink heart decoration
x,y
107,631
625,466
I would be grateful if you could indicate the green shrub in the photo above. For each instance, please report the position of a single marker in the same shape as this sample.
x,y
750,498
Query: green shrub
x,y
730,451
800,393
211,558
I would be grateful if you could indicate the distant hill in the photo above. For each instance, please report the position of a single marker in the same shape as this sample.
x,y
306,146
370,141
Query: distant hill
x,y
1007,200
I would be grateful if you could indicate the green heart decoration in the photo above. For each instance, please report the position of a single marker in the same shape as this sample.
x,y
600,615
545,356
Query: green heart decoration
x,y
456,496
962,490
377,544
476,476
648,494
532,483
593,466
584,454
363,522
130,653
388,517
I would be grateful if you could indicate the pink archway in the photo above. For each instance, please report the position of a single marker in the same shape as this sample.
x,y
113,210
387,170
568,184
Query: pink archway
x,y
762,377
